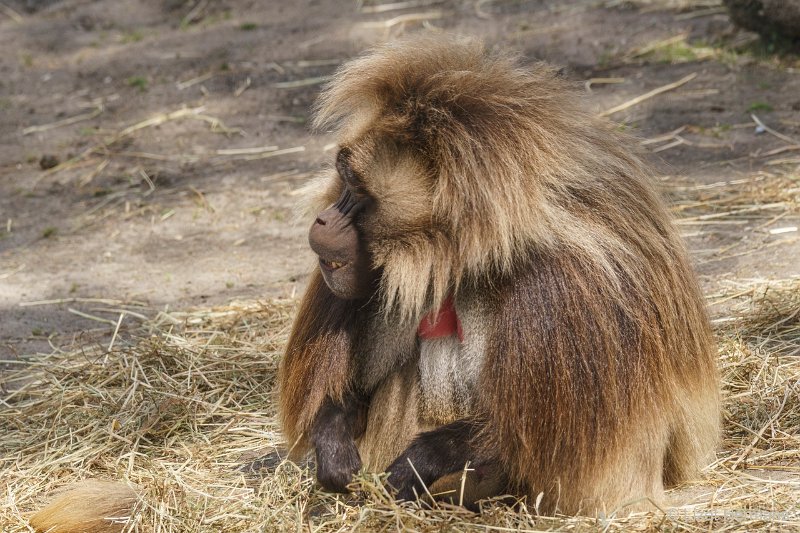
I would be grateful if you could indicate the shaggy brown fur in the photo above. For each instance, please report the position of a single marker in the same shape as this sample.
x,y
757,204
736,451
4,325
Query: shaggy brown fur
x,y
301,398
593,364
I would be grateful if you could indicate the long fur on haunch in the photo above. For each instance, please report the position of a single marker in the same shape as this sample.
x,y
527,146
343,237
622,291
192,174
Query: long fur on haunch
x,y
598,379
329,320
92,506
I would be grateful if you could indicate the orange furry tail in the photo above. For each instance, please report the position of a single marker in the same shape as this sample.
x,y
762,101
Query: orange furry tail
x,y
90,506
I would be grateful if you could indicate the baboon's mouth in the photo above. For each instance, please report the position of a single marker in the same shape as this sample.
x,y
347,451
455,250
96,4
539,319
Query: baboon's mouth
x,y
332,265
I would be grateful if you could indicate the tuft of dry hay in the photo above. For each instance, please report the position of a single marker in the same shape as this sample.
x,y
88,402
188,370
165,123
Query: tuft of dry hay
x,y
760,349
180,407
738,217
744,201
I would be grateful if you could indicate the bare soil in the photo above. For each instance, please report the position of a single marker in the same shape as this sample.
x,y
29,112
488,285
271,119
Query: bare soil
x,y
165,215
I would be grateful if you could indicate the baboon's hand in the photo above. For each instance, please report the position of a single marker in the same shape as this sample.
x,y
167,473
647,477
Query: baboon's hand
x,y
333,436
337,461
433,454
403,479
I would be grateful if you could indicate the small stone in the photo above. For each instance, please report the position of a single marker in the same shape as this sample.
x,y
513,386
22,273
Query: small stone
x,y
48,161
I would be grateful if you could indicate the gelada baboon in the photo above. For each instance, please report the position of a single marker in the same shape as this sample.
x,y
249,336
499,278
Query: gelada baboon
x,y
499,285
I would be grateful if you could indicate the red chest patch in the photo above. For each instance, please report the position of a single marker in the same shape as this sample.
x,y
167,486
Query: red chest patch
x,y
441,323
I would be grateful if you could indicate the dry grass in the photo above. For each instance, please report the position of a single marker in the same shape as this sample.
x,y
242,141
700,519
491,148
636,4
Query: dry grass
x,y
177,409
757,213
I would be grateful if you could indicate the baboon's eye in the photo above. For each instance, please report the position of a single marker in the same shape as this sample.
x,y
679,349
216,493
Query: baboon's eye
x,y
343,163
350,177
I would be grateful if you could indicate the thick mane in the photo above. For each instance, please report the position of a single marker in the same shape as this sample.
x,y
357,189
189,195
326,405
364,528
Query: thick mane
x,y
519,165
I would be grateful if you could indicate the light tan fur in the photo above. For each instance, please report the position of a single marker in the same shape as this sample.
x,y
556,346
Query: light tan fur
x,y
394,417
596,381
91,506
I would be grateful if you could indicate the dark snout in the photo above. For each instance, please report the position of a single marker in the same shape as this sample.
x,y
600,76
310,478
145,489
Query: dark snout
x,y
344,263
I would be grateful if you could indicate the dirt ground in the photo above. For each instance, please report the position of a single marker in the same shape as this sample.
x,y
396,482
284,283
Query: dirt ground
x,y
168,214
